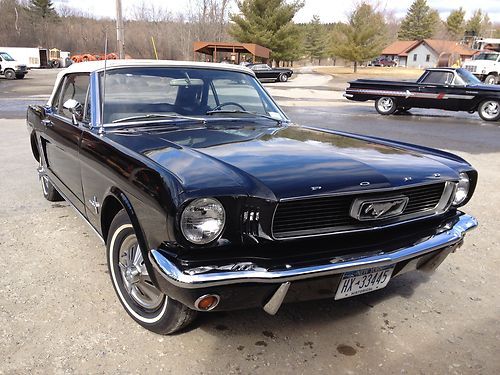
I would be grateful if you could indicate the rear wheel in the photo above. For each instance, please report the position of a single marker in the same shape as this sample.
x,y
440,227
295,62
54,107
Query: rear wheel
x,y
489,110
142,300
49,191
9,74
385,105
491,79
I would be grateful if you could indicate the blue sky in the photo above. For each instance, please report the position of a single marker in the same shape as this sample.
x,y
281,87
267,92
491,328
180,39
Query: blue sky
x,y
329,10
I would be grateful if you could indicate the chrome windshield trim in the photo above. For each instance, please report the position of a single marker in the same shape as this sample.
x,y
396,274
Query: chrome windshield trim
x,y
449,234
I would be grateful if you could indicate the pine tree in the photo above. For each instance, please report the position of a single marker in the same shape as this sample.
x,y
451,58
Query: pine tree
x,y
455,23
268,23
42,8
316,42
419,23
362,38
478,23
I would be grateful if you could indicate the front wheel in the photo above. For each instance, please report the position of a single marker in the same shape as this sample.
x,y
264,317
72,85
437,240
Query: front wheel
x,y
489,110
283,77
9,74
142,300
385,105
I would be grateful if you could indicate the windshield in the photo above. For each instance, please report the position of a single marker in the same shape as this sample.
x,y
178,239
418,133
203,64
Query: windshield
x,y
492,56
6,57
468,77
172,92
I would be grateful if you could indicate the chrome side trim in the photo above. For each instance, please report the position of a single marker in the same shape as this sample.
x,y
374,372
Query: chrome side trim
x,y
272,306
448,234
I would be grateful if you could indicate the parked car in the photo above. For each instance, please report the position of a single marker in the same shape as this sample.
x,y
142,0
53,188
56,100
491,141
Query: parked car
x,y
10,68
485,66
451,89
208,198
383,62
264,72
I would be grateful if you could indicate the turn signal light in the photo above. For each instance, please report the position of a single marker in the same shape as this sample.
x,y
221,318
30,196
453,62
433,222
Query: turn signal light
x,y
207,302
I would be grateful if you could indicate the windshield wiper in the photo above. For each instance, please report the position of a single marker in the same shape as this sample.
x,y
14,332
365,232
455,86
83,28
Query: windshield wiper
x,y
158,115
278,121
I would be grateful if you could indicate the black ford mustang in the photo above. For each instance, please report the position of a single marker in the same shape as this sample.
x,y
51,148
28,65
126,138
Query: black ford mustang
x,y
442,88
208,198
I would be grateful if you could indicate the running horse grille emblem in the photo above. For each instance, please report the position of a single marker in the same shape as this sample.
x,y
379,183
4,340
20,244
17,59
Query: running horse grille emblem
x,y
373,209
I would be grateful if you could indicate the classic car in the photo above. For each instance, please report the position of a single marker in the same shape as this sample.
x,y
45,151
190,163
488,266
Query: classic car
x,y
265,73
451,89
208,198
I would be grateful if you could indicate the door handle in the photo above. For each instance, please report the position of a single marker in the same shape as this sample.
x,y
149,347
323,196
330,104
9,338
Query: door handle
x,y
47,123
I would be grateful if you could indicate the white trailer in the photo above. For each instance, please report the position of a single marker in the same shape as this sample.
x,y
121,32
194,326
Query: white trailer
x,y
31,57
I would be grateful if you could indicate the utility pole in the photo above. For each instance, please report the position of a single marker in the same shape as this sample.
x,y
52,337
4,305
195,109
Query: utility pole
x,y
120,34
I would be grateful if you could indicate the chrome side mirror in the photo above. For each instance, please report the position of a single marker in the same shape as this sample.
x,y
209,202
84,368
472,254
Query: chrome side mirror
x,y
75,108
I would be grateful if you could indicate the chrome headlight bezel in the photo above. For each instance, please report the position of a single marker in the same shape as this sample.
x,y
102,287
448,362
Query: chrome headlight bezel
x,y
462,189
217,217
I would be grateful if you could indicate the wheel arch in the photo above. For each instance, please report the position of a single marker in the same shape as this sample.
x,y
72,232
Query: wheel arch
x,y
35,150
115,201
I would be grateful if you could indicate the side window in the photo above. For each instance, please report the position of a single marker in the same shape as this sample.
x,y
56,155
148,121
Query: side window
x,y
427,58
439,78
75,87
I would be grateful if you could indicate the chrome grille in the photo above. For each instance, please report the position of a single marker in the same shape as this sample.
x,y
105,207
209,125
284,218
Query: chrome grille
x,y
311,216
471,68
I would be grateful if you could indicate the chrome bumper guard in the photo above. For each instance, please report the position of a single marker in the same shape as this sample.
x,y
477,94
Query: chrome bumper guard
x,y
450,233
346,95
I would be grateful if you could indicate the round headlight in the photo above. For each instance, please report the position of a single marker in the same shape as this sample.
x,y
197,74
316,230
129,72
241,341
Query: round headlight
x,y
462,189
202,220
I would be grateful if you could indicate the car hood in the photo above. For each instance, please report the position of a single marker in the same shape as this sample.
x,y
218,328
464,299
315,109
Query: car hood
x,y
289,161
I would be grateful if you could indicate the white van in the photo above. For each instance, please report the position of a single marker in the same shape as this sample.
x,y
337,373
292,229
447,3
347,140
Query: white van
x,y
11,68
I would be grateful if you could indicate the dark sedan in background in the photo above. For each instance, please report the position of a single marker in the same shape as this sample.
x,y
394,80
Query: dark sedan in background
x,y
265,73
451,89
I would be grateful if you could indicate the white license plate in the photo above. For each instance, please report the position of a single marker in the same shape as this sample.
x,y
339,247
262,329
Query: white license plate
x,y
363,281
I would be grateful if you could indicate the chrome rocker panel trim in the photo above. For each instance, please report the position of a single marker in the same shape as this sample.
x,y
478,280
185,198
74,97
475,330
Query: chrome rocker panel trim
x,y
452,234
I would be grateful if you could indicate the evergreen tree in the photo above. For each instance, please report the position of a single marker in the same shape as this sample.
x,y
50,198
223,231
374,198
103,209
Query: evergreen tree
x,y
42,8
419,23
478,23
268,23
455,23
316,42
363,37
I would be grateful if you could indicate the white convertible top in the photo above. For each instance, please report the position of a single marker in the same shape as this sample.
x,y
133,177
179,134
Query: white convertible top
x,y
96,66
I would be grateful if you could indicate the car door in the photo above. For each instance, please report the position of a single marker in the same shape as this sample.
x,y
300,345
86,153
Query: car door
x,y
61,139
437,91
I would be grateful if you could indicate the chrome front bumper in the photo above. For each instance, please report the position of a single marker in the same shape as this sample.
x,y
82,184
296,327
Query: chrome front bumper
x,y
449,235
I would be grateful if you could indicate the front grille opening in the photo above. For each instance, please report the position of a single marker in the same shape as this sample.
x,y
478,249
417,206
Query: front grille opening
x,y
312,216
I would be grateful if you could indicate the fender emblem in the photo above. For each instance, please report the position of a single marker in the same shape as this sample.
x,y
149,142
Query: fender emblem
x,y
95,204
314,188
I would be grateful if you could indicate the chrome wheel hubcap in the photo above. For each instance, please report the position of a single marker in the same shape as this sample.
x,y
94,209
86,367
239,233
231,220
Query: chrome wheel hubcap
x,y
135,276
491,109
386,104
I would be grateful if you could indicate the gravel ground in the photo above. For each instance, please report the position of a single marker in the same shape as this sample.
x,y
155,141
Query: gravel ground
x,y
59,313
